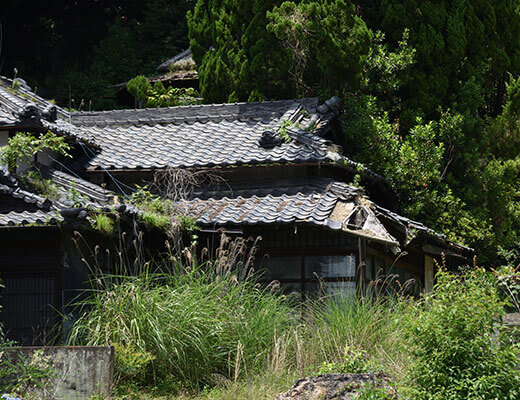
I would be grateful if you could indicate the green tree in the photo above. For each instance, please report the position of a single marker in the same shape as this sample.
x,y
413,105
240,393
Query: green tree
x,y
464,49
247,50
235,56
327,44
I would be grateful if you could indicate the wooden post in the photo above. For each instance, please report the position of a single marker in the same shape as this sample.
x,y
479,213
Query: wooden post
x,y
428,273
360,270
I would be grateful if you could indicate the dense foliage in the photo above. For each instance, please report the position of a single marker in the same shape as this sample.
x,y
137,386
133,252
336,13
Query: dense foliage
x,y
459,348
23,146
429,88
157,95
184,330
210,328
85,47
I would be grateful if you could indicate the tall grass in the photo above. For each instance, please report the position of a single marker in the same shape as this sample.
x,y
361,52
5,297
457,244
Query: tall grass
x,y
205,330
199,328
363,324
207,324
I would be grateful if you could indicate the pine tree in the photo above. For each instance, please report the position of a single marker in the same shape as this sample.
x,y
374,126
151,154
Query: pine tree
x,y
464,49
254,50
234,53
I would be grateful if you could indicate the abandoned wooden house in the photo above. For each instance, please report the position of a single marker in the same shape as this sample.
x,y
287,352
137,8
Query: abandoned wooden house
x,y
280,176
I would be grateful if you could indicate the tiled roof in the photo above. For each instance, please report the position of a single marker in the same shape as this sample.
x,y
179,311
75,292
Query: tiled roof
x,y
209,135
94,193
182,57
20,207
187,136
317,201
21,107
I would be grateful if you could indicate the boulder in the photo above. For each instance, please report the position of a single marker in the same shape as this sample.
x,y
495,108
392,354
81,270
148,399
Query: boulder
x,y
338,387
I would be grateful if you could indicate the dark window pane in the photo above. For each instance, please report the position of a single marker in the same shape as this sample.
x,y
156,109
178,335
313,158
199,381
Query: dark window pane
x,y
331,289
340,289
280,268
330,266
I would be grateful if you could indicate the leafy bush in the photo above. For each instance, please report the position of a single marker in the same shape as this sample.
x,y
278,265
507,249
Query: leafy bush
x,y
22,146
457,343
374,393
158,95
139,87
353,361
131,365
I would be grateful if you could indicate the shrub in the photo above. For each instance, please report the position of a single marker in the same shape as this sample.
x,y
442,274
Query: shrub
x,y
457,343
22,146
131,365
353,361
160,96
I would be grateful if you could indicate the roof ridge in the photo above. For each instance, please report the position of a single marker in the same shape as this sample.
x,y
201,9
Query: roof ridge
x,y
238,103
174,114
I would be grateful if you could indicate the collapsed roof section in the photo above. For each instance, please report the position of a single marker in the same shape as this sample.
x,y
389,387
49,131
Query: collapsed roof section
x,y
316,201
180,67
177,71
184,57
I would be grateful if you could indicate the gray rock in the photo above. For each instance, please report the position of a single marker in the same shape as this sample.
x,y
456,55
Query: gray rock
x,y
337,387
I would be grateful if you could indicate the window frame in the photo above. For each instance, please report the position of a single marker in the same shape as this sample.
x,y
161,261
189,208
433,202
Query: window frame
x,y
303,280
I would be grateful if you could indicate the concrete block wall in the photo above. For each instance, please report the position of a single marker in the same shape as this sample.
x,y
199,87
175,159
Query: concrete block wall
x,y
78,371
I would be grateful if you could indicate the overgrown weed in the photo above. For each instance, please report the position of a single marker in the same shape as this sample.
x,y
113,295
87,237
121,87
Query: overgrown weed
x,y
197,326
